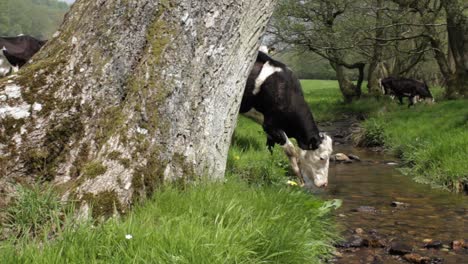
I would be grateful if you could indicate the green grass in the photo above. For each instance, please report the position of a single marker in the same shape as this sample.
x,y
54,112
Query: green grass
x,y
432,140
250,160
231,222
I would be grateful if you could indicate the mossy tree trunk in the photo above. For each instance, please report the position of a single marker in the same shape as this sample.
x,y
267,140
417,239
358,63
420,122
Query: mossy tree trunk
x,y
129,94
457,29
376,68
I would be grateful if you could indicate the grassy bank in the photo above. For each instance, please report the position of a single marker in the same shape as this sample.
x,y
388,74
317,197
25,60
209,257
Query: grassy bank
x,y
229,222
253,217
431,140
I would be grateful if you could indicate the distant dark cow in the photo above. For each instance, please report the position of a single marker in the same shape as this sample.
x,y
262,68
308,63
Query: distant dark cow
x,y
274,91
404,87
19,50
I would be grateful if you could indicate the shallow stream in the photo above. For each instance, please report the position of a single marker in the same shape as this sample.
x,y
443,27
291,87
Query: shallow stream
x,y
368,189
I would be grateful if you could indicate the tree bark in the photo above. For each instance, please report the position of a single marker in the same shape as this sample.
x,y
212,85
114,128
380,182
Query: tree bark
x,y
127,95
457,29
349,91
376,64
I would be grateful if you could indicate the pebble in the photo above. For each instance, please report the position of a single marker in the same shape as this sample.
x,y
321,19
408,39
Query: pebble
x,y
457,244
434,244
416,258
354,157
365,209
359,231
341,157
399,204
399,248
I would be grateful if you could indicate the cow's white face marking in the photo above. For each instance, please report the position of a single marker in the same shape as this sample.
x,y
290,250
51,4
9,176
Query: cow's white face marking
x,y
311,165
267,71
314,163
263,49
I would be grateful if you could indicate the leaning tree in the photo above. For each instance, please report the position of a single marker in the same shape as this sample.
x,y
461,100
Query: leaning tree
x,y
129,94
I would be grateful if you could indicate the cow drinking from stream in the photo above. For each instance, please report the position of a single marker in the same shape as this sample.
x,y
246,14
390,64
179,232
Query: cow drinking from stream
x,y
274,91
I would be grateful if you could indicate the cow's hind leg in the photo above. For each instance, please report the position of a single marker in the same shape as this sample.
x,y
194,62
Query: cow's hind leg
x,y
411,101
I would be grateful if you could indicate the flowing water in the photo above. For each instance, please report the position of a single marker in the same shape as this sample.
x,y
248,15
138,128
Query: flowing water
x,y
374,184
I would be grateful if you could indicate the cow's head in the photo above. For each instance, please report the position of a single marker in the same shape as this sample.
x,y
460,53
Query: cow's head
x,y
313,164
424,93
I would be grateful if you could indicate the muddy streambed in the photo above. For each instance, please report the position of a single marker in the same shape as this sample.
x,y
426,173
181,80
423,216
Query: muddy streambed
x,y
370,221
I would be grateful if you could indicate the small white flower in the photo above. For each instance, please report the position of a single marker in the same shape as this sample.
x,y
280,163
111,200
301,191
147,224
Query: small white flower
x,y
128,236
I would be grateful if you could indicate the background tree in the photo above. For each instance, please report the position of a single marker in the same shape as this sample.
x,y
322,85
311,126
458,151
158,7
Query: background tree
x,y
394,38
129,94
322,27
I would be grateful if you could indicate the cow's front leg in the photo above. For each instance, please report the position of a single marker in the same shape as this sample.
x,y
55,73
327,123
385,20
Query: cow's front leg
x,y
293,156
400,98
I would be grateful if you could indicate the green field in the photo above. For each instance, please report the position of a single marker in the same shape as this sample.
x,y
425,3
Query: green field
x,y
431,140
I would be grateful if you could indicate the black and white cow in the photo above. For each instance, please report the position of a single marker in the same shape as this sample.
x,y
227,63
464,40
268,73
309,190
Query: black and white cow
x,y
274,91
405,87
19,50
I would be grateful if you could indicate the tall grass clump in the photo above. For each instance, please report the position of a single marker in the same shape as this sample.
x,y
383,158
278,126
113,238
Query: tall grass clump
x,y
35,212
229,222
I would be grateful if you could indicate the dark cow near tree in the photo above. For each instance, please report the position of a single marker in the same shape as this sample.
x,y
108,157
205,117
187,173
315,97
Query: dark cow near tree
x,y
404,87
19,50
274,91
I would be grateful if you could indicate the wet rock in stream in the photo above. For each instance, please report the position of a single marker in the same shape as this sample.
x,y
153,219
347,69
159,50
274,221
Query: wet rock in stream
x,y
416,258
354,157
341,157
353,242
458,244
399,248
399,204
359,231
365,209
434,245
